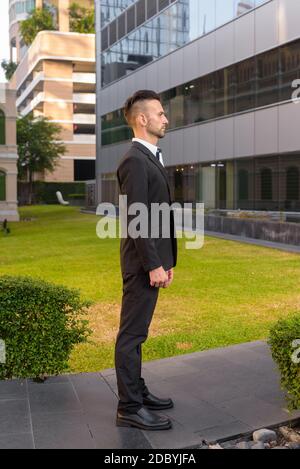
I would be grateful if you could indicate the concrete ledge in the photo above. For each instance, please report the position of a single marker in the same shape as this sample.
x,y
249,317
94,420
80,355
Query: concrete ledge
x,y
285,233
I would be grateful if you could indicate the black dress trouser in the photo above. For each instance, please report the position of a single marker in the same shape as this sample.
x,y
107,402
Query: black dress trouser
x,y
138,304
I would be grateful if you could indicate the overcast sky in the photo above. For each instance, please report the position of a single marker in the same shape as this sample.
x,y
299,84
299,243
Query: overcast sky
x,y
4,48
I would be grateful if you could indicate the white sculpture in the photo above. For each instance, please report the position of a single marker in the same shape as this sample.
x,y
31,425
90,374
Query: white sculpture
x,y
61,199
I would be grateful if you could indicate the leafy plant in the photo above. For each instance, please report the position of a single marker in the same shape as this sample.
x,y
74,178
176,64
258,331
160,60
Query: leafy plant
x,y
39,323
40,19
38,147
285,346
82,20
9,68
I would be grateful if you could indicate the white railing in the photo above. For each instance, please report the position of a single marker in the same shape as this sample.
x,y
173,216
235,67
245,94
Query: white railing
x,y
84,78
84,138
39,77
84,118
33,103
84,98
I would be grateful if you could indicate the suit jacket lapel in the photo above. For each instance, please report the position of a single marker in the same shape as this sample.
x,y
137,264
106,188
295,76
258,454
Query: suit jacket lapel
x,y
155,161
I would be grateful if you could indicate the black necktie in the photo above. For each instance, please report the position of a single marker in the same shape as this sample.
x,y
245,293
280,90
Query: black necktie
x,y
158,152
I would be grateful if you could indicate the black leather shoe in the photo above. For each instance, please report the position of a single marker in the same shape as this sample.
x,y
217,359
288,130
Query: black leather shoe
x,y
143,419
155,403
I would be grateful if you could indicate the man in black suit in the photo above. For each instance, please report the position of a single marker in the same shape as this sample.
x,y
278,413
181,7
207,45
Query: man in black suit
x,y
146,262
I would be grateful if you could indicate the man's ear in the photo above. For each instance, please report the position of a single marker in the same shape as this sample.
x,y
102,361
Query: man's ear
x,y
142,119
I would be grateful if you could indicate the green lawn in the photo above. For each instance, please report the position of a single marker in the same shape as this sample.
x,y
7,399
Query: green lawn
x,y
223,294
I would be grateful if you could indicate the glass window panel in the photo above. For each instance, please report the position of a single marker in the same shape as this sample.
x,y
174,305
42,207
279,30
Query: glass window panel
x,y
2,186
225,91
131,19
140,12
200,100
289,69
2,128
267,78
245,85
176,107
162,4
121,26
151,8
112,32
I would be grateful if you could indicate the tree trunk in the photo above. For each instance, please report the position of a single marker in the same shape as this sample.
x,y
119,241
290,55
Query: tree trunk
x,y
30,188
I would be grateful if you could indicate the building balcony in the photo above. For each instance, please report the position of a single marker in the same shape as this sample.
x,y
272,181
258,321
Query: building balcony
x,y
84,78
34,103
30,88
84,119
84,98
84,138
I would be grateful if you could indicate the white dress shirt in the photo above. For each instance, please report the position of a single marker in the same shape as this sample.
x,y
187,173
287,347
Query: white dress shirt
x,y
150,147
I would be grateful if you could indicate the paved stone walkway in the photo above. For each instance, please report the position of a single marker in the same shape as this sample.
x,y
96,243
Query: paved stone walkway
x,y
218,394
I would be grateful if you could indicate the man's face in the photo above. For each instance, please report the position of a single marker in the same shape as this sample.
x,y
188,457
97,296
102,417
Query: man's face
x,y
157,121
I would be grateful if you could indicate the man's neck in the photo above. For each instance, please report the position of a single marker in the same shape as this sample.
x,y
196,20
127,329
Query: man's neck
x,y
147,138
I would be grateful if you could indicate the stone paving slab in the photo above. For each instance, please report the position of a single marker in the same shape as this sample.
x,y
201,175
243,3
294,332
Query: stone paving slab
x,y
218,394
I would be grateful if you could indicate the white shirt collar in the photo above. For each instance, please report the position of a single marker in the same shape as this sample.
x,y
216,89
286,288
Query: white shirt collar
x,y
148,145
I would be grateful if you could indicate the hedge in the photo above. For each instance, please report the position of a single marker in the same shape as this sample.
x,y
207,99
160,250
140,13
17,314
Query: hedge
x,y
45,192
285,347
40,323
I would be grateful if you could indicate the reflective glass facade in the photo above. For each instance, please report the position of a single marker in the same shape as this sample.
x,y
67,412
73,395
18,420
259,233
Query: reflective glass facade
x,y
135,33
264,183
20,7
258,81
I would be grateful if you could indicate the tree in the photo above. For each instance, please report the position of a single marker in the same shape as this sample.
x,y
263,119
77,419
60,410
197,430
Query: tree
x,y
9,68
40,19
82,20
39,147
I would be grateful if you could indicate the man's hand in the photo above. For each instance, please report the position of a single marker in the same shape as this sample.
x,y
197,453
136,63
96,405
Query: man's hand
x,y
170,278
158,278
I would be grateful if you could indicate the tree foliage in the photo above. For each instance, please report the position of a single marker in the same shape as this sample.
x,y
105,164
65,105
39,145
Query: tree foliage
x,y
9,68
40,19
38,146
82,20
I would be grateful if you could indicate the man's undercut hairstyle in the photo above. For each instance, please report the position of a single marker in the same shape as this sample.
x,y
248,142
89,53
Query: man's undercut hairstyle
x,y
138,97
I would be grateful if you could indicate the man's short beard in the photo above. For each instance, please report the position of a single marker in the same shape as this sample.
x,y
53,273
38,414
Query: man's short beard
x,y
157,134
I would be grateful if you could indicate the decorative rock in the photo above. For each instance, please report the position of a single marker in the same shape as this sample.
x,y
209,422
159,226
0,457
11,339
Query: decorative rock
x,y
259,445
293,445
217,446
280,447
243,445
264,436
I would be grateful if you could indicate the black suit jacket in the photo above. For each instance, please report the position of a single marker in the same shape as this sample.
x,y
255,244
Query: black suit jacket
x,y
144,179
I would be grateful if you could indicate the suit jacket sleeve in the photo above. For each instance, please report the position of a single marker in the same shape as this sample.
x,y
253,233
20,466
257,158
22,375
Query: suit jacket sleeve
x,y
133,182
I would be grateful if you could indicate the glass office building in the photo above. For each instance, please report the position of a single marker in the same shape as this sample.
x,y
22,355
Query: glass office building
x,y
228,73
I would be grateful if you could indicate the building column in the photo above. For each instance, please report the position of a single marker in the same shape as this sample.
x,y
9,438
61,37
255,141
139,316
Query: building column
x,y
229,185
63,16
38,3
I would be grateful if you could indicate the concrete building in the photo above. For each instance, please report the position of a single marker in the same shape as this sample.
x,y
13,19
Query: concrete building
x,y
56,78
226,71
8,155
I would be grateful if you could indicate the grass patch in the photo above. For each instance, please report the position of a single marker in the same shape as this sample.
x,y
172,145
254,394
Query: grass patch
x,y
224,294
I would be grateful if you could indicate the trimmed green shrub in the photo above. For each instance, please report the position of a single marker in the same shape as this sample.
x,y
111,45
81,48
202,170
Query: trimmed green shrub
x,y
285,346
39,323
45,192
